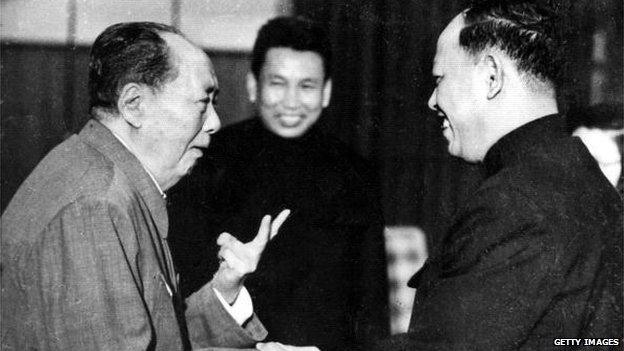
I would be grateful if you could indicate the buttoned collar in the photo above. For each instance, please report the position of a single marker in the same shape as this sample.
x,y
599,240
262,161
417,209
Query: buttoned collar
x,y
523,142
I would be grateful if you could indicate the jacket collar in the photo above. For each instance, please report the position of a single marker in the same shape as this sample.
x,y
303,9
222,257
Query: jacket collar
x,y
531,139
102,139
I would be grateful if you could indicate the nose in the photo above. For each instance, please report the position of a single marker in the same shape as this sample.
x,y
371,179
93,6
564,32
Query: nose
x,y
291,99
432,101
212,123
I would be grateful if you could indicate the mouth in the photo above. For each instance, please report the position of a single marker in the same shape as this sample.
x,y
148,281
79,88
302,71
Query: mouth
x,y
445,124
201,144
197,151
290,120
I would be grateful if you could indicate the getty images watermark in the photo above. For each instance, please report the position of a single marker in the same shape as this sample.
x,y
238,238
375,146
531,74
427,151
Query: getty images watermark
x,y
587,342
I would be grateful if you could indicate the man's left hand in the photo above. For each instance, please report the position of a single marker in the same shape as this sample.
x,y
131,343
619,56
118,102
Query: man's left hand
x,y
238,259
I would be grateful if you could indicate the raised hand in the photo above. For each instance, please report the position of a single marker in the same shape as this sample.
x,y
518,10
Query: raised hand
x,y
238,259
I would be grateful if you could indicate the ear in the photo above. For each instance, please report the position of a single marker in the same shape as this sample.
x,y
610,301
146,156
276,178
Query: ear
x,y
495,74
327,93
252,87
131,103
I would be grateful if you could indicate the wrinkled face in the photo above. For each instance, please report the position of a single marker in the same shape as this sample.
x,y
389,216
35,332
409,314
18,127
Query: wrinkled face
x,y
456,96
291,91
180,117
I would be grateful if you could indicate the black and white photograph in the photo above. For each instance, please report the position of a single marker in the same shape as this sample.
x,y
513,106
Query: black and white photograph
x,y
311,175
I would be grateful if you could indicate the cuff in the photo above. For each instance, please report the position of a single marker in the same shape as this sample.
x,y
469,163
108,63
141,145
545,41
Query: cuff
x,y
242,308
211,325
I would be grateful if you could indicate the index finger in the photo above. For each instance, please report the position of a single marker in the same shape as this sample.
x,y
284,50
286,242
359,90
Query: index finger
x,y
277,223
264,232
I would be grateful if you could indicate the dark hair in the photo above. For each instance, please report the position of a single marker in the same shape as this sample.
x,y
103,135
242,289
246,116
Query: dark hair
x,y
125,53
297,33
527,31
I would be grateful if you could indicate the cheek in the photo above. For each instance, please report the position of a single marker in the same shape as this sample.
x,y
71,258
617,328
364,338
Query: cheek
x,y
457,101
186,130
270,96
191,119
312,100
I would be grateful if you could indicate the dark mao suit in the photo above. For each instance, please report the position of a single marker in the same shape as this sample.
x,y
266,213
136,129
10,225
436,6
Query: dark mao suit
x,y
322,280
536,254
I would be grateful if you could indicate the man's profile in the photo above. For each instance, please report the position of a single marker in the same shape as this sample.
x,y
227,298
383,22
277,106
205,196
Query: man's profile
x,y
535,254
85,261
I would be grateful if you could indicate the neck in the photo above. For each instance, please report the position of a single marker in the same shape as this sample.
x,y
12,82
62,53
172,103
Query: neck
x,y
129,137
522,107
531,106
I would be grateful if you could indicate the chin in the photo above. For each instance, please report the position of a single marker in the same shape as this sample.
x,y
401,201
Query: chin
x,y
188,170
290,135
289,132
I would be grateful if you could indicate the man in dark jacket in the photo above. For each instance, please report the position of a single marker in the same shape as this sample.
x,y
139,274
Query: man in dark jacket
x,y
321,282
535,256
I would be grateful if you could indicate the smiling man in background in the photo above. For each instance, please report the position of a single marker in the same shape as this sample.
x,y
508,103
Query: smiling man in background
x,y
536,253
322,282
85,261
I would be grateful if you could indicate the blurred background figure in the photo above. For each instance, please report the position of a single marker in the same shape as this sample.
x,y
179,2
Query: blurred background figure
x,y
406,248
323,281
601,128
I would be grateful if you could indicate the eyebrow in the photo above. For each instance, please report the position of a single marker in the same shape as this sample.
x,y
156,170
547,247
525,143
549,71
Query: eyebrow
x,y
313,80
302,80
274,75
211,90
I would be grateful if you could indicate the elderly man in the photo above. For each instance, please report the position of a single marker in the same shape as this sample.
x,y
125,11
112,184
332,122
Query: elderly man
x,y
323,280
85,261
535,256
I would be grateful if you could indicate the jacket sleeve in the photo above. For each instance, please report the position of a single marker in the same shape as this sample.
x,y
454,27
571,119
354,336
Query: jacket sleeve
x,y
210,325
81,285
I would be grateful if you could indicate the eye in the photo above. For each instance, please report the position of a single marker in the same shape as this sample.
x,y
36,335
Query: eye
x,y
276,83
308,86
203,104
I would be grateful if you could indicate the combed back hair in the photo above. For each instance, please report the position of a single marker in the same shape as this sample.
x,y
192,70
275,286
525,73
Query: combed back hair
x,y
297,33
527,31
132,52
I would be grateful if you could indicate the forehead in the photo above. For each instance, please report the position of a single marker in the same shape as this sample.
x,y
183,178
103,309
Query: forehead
x,y
192,63
292,62
448,48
